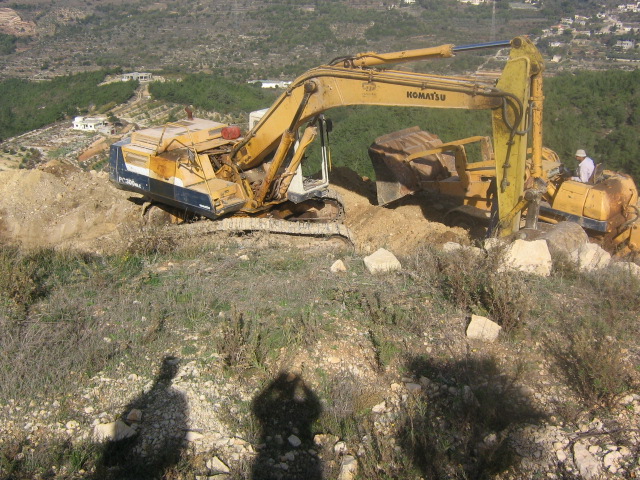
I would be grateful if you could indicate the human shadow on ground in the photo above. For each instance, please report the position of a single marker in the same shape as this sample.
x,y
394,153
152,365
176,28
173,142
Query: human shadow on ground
x,y
463,423
286,410
157,436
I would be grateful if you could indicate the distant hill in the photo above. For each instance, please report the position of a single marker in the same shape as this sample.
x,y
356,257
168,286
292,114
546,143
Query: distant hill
x,y
240,38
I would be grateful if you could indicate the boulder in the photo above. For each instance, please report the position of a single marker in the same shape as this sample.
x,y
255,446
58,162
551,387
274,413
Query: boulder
x,y
529,257
215,465
587,464
565,238
349,468
628,268
481,328
382,261
453,247
590,257
338,266
113,431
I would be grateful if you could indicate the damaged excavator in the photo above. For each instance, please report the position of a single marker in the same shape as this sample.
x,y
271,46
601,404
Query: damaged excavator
x,y
255,181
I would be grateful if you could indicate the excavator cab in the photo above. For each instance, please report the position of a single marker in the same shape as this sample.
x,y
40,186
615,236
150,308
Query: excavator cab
x,y
302,188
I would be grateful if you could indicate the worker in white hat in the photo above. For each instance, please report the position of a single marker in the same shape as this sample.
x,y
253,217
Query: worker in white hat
x,y
585,167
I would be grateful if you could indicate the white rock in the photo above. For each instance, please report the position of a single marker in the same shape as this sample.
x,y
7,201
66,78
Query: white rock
x,y
382,261
629,399
72,425
529,257
587,464
481,328
340,448
611,459
134,415
566,237
192,436
294,441
491,440
629,268
244,258
379,408
590,257
113,431
452,247
493,242
338,266
323,439
348,469
215,465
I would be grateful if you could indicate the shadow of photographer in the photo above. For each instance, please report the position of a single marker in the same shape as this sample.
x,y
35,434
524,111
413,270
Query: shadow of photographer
x,y
150,433
286,410
463,423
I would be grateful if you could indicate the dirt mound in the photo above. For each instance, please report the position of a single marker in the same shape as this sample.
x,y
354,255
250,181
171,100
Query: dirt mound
x,y
61,206
400,228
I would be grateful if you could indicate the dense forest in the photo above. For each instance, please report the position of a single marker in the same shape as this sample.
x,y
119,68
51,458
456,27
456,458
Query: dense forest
x,y
213,93
597,111
25,106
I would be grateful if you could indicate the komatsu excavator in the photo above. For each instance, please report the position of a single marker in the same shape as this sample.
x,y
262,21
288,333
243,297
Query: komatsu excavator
x,y
211,169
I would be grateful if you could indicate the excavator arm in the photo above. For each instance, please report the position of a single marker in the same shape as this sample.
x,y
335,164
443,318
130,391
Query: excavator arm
x,y
354,81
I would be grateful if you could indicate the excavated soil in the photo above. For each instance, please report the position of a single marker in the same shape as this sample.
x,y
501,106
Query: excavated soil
x,y
60,206
400,228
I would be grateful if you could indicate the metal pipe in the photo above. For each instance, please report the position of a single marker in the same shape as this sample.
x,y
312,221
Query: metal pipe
x,y
479,46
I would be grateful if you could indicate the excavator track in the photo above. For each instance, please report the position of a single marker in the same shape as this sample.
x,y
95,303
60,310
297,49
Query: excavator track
x,y
299,223
275,225
314,225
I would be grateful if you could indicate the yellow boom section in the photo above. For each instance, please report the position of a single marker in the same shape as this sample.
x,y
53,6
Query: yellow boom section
x,y
352,81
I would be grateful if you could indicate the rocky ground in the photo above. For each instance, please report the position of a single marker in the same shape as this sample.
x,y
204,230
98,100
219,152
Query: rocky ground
x,y
185,401
190,404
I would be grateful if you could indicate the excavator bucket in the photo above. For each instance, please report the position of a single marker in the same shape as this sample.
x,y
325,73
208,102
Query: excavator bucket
x,y
398,173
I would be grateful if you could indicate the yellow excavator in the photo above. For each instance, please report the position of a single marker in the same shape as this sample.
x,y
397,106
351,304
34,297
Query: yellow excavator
x,y
212,169
418,161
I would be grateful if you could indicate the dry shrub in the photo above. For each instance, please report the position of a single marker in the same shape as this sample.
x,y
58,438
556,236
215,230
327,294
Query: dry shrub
x,y
247,341
48,327
472,282
592,362
148,240
443,430
38,349
22,276
596,315
348,398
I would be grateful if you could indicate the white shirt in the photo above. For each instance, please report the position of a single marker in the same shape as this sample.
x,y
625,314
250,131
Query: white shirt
x,y
585,170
